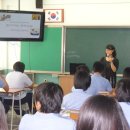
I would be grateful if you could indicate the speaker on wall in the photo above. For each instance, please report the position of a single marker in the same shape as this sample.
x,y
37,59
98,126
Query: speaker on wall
x,y
39,4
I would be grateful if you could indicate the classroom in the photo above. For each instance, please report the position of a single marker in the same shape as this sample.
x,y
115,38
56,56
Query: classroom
x,y
85,28
109,16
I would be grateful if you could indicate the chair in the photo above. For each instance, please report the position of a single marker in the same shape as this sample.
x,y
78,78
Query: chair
x,y
74,115
12,93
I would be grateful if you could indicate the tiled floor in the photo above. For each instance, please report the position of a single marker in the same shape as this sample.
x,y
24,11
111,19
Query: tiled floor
x,y
16,120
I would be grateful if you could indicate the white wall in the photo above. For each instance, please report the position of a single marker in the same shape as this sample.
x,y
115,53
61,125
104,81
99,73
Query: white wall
x,y
10,4
93,12
76,13
3,55
82,12
0,4
13,53
10,51
9,54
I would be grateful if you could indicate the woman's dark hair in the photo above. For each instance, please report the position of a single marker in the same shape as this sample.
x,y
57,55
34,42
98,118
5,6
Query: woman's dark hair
x,y
50,95
82,80
98,67
126,72
83,68
101,113
111,47
123,90
19,66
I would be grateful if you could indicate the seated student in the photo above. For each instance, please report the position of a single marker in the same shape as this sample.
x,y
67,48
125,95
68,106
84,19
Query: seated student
x,y
3,120
76,98
126,72
101,113
98,82
48,99
81,68
3,84
18,79
122,92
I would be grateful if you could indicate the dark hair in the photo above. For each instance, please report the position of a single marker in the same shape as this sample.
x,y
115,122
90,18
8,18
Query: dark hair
x,y
123,90
19,66
83,68
98,67
101,113
126,72
82,80
50,95
111,47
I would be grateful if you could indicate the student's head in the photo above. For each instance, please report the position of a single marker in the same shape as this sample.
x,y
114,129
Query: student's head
x,y
3,121
48,97
82,68
82,80
122,90
126,72
101,113
98,67
19,66
110,50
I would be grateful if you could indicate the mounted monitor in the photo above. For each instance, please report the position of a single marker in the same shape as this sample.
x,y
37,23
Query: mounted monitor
x,y
21,25
73,67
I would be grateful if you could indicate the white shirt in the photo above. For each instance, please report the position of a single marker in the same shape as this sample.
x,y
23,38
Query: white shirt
x,y
18,79
43,121
74,100
126,110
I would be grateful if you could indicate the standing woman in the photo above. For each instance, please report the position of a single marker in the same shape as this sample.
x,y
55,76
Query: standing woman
x,y
111,64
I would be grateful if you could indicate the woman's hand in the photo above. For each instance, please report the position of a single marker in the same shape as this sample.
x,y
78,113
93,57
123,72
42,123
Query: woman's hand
x,y
109,59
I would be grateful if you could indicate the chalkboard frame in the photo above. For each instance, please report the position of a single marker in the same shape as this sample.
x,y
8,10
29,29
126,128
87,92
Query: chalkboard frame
x,y
122,63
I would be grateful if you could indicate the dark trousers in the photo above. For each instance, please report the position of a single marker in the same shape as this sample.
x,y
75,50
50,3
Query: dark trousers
x,y
27,99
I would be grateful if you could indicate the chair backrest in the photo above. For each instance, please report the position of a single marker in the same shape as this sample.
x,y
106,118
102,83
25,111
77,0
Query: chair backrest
x,y
106,93
74,115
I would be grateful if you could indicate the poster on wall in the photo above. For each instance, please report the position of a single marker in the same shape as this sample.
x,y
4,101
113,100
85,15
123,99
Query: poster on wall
x,y
54,15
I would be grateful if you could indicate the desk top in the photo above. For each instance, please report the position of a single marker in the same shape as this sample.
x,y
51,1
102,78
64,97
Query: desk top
x,y
11,90
105,93
73,114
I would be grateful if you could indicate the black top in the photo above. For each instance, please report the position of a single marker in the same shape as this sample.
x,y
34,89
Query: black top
x,y
108,73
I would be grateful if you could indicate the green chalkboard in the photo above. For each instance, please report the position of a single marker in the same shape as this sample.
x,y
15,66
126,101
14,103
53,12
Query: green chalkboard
x,y
87,45
46,55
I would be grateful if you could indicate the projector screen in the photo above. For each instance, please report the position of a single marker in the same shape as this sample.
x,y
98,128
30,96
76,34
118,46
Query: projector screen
x,y
21,25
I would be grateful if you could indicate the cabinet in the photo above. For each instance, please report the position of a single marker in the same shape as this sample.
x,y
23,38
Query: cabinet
x,y
66,82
